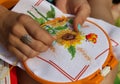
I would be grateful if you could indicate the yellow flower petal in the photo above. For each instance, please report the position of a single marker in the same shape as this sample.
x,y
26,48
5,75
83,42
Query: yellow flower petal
x,y
69,38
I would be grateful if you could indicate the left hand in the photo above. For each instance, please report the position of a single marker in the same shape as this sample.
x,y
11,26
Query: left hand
x,y
79,8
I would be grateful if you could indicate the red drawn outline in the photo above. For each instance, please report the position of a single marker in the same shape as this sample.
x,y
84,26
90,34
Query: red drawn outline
x,y
81,72
38,3
115,42
101,53
107,49
64,72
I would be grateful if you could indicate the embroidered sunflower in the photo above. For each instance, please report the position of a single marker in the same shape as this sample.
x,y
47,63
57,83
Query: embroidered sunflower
x,y
69,39
57,22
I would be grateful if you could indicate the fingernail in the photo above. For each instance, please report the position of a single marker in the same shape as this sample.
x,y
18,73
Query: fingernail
x,y
53,43
79,27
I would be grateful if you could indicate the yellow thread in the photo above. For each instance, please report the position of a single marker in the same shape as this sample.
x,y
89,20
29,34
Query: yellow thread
x,y
84,53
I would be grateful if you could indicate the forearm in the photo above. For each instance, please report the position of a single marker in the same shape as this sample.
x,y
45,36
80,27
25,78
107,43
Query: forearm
x,y
3,12
101,9
3,9
7,17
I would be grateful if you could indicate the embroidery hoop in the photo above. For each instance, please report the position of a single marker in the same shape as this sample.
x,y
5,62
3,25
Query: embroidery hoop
x,y
94,78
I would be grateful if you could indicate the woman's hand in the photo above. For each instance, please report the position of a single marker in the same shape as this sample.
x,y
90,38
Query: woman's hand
x,y
22,35
79,8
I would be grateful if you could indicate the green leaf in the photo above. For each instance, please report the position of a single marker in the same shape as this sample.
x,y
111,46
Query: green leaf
x,y
70,21
60,28
51,13
40,20
72,51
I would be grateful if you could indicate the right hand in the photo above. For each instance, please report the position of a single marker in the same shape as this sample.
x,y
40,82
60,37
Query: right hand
x,y
13,26
80,8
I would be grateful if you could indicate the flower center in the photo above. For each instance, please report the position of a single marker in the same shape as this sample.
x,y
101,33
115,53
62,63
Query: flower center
x,y
68,36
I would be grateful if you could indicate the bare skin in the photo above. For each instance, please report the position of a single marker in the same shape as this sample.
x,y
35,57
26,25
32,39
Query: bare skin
x,y
101,9
80,8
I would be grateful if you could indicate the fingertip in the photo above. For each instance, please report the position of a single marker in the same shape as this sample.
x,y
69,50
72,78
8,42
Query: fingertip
x,y
77,24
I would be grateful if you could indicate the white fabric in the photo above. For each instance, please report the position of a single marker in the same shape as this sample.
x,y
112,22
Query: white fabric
x,y
44,65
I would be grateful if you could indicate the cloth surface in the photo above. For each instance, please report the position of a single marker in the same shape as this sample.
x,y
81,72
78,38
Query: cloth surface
x,y
87,67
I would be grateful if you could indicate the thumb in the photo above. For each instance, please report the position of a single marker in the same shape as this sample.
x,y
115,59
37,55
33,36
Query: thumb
x,y
80,16
61,4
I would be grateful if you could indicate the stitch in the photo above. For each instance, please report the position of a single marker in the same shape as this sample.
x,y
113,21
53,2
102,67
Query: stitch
x,y
85,26
84,54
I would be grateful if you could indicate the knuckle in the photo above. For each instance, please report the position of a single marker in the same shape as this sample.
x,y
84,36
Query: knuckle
x,y
14,29
36,34
23,58
10,39
40,47
50,40
23,17
44,49
32,54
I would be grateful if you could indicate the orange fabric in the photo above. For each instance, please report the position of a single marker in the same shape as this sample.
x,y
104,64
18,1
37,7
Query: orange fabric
x,y
8,3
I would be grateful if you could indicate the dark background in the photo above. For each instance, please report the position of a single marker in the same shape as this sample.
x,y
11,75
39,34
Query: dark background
x,y
116,1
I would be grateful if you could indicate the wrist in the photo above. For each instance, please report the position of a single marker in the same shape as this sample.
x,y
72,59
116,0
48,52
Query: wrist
x,y
3,13
3,10
7,17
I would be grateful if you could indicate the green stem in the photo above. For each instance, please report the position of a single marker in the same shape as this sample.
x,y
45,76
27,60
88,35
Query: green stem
x,y
40,13
32,15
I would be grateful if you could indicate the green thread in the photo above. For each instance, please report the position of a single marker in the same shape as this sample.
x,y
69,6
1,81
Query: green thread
x,y
40,13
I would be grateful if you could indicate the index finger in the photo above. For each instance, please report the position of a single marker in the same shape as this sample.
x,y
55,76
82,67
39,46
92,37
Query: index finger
x,y
82,13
